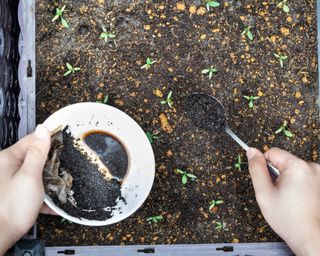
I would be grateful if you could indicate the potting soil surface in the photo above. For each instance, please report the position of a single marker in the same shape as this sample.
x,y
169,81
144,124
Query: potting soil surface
x,y
183,38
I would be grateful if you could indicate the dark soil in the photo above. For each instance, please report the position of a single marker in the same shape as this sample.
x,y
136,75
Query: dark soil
x,y
206,112
184,39
91,190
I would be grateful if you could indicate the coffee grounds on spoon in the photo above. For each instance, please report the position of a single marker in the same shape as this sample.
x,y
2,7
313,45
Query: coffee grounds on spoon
x,y
205,112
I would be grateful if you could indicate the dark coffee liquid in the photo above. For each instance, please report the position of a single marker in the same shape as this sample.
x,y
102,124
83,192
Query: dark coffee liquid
x,y
110,151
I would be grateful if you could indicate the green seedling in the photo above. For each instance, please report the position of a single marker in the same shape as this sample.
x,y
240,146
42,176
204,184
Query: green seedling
x,y
214,203
59,13
148,64
71,69
152,136
212,4
155,219
284,128
281,59
105,100
106,35
185,175
239,163
251,100
210,71
64,220
221,226
283,5
168,100
248,33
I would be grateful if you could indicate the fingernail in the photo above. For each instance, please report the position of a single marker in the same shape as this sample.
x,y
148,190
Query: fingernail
x,y
41,132
251,152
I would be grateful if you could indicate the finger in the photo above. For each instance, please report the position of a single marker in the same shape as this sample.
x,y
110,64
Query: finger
x,y
45,209
12,158
37,153
281,159
262,182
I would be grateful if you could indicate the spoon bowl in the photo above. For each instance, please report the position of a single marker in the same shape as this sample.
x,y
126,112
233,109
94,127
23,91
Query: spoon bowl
x,y
208,113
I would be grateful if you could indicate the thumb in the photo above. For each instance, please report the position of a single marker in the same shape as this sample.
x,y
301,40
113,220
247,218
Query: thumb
x,y
37,152
262,182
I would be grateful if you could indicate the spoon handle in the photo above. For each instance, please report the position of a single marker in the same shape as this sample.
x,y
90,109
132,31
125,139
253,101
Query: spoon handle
x,y
274,172
236,138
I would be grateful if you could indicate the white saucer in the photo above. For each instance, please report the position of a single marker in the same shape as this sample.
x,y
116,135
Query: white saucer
x,y
83,117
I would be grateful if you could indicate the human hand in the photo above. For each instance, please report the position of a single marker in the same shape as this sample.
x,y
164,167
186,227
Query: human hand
x,y
291,204
21,187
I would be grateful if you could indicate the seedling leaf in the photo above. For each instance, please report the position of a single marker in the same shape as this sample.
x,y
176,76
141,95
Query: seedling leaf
x,y
286,8
288,133
67,73
106,98
69,66
184,179
279,130
212,4
64,23
180,171
250,36
55,18
191,176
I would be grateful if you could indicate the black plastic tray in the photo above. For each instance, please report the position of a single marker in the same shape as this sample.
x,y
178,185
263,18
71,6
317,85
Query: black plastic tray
x,y
17,70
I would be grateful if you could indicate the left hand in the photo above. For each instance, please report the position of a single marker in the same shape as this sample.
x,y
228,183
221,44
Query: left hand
x,y
21,187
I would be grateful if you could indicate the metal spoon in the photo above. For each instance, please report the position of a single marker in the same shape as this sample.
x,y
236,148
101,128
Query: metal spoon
x,y
212,105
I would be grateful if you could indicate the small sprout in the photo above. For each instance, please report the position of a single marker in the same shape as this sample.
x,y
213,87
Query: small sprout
x,y
284,128
106,35
210,71
59,13
283,5
148,64
239,163
155,219
105,100
212,4
185,175
168,100
152,136
251,100
71,69
214,203
248,33
281,59
63,220
221,226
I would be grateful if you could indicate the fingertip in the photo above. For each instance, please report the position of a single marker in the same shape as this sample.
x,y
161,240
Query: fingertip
x,y
42,132
251,153
280,158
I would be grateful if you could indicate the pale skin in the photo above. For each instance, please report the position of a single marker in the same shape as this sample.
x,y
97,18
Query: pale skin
x,y
291,205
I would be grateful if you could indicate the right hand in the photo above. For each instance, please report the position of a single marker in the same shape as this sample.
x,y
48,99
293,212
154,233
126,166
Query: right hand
x,y
291,204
